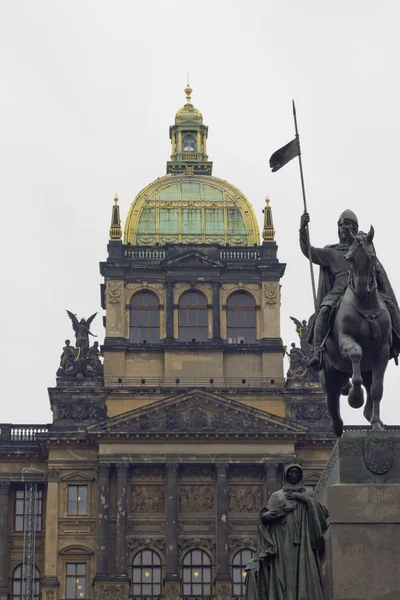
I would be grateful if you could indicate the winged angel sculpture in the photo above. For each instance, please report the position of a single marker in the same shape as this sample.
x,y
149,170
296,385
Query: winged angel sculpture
x,y
82,332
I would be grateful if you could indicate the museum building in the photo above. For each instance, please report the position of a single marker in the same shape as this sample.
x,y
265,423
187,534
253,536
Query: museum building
x,y
149,480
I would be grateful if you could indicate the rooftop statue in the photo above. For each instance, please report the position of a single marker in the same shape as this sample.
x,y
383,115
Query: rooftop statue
x,y
356,327
82,332
290,540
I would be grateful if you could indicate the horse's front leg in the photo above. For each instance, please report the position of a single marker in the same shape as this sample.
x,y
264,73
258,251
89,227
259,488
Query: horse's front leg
x,y
352,351
378,373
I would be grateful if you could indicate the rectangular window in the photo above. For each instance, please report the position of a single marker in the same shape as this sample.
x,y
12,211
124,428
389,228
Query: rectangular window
x,y
22,508
76,581
77,499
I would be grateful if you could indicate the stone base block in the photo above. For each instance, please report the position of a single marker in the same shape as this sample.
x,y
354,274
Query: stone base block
x,y
172,589
361,489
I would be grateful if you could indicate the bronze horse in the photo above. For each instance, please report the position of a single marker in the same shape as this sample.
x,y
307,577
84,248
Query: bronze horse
x,y
360,339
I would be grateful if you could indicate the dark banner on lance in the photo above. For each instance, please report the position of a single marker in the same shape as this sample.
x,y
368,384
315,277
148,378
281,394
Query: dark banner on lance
x,y
284,155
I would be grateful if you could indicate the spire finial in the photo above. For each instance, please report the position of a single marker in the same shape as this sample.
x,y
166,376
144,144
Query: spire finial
x,y
115,229
268,231
188,90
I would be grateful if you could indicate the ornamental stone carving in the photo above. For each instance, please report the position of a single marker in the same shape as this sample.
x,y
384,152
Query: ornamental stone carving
x,y
81,411
147,498
245,498
310,411
136,542
271,293
50,593
241,542
378,454
114,291
196,543
154,472
196,498
197,472
111,591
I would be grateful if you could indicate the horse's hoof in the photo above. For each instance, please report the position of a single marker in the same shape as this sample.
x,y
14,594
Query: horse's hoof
x,y
356,397
338,429
377,426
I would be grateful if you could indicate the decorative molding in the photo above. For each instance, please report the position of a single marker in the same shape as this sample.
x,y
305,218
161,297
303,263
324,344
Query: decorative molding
x,y
135,543
140,472
191,542
77,476
76,550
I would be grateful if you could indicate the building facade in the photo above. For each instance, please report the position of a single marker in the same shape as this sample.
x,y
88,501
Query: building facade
x,y
149,480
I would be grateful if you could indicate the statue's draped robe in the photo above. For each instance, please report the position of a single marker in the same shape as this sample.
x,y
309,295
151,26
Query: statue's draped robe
x,y
286,565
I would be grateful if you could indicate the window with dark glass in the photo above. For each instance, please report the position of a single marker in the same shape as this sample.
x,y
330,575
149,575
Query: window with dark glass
x,y
145,319
241,318
193,317
76,581
17,584
239,562
196,573
21,509
146,574
77,499
189,143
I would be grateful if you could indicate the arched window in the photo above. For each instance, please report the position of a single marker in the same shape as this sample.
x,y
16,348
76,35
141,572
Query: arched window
x,y
146,574
189,143
145,324
17,584
196,573
241,318
192,317
239,562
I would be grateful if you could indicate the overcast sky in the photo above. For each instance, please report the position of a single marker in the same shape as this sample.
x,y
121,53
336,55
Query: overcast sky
x,y
88,92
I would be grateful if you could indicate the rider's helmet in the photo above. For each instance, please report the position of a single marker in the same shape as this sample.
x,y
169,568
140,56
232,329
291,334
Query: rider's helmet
x,y
349,215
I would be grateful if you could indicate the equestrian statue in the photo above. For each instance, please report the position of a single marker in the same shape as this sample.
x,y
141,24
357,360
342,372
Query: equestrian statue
x,y
356,326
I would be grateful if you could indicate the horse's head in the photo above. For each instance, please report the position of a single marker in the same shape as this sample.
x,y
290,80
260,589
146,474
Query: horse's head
x,y
362,262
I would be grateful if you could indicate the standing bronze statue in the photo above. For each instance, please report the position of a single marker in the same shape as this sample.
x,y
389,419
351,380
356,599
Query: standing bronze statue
x,y
356,326
286,565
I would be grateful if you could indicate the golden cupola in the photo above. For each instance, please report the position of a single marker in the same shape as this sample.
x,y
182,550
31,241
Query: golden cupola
x,y
189,205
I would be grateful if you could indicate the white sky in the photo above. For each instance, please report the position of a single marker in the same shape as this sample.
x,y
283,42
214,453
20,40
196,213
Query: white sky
x,y
89,89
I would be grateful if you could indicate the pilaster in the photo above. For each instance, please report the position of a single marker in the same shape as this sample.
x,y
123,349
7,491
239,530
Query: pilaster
x,y
103,521
169,310
172,567
4,501
122,521
222,566
50,583
216,312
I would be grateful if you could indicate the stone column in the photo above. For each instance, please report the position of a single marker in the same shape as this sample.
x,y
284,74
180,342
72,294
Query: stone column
x,y
216,312
222,570
173,144
169,310
179,141
103,521
172,570
50,581
271,475
4,495
122,520
223,577
198,142
204,143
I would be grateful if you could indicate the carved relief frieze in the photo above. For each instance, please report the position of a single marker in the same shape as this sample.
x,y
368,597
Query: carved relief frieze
x,y
245,498
147,499
309,411
76,528
238,542
191,542
111,591
196,498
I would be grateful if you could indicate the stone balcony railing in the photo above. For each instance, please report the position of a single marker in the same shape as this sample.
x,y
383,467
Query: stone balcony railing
x,y
21,433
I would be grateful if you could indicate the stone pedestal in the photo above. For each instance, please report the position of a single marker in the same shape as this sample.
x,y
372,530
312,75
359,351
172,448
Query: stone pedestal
x,y
361,489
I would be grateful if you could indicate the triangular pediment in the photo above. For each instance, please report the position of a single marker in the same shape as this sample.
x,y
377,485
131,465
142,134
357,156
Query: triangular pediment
x,y
198,412
192,258
76,476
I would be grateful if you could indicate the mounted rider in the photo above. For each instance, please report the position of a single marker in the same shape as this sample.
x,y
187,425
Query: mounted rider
x,y
333,280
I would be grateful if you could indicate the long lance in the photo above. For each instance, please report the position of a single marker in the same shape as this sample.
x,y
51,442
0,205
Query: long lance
x,y
305,208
